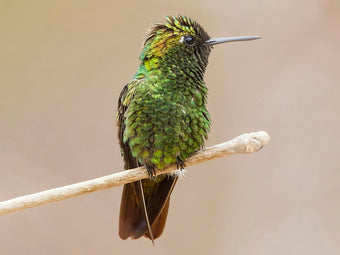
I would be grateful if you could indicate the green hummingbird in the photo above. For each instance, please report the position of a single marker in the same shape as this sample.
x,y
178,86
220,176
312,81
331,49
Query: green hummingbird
x,y
162,119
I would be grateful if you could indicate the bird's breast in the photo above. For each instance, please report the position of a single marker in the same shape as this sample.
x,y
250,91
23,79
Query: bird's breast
x,y
164,127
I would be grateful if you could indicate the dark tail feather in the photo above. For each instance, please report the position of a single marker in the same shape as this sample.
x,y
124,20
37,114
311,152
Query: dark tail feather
x,y
158,225
130,212
132,221
140,185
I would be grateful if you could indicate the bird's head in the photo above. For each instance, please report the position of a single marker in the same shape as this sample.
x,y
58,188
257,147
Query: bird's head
x,y
180,41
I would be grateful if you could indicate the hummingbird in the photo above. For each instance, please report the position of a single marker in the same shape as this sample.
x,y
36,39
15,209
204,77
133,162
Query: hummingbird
x,y
162,119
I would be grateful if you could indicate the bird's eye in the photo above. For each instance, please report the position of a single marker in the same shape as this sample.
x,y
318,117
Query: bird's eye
x,y
189,40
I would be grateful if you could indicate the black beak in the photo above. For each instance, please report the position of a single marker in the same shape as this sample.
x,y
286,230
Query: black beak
x,y
214,41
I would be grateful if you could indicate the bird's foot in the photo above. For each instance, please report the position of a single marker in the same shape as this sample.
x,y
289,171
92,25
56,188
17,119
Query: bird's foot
x,y
180,164
151,171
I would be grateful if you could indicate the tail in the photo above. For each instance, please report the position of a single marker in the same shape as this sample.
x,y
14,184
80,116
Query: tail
x,y
144,207
146,212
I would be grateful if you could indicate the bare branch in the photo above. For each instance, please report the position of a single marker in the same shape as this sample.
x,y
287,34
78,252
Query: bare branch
x,y
246,143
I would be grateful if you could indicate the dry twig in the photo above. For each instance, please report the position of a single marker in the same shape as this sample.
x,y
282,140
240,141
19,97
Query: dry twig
x,y
246,143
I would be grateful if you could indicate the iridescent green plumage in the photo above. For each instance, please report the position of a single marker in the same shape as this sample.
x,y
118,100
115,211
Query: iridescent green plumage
x,y
166,117
162,119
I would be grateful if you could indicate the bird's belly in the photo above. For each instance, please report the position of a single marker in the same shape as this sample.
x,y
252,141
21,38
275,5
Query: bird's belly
x,y
166,133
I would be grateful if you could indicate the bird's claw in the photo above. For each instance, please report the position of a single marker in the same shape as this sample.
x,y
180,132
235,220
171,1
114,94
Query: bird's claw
x,y
151,171
180,164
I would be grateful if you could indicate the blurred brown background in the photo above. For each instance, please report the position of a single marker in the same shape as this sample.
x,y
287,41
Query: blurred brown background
x,y
62,66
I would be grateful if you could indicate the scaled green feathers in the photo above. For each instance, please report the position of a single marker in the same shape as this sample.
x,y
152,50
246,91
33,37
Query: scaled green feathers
x,y
162,119
165,117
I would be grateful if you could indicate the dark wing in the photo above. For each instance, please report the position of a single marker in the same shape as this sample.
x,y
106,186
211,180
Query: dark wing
x,y
131,212
124,101
132,221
